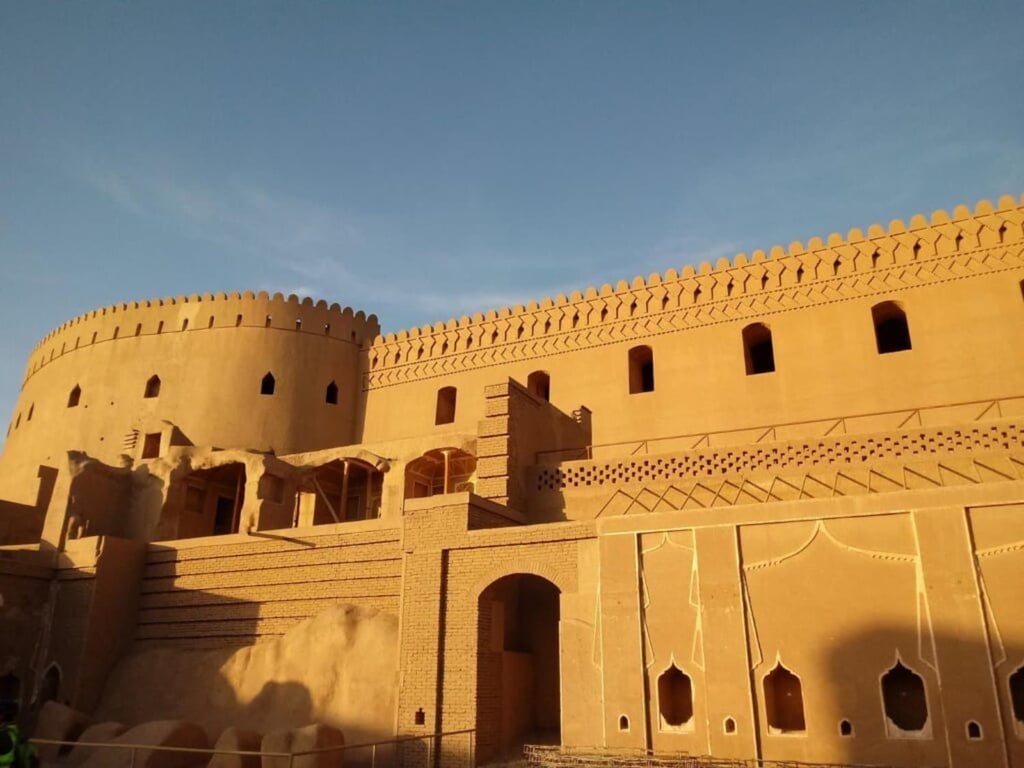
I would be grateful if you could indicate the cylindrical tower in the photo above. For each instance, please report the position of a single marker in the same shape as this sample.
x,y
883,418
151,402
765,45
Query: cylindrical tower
x,y
240,371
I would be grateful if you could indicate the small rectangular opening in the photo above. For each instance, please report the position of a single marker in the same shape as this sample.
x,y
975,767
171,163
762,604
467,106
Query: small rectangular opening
x,y
151,445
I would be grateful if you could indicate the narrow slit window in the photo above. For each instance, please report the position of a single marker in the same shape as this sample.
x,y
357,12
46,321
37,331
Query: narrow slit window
x,y
152,387
268,384
641,370
784,701
539,384
331,396
675,698
892,334
903,698
74,397
758,351
445,411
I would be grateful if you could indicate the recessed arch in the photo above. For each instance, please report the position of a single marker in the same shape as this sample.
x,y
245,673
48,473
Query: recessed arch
x,y
517,640
641,369
784,701
675,700
152,387
438,471
444,411
268,384
758,349
74,397
331,395
904,701
892,333
539,384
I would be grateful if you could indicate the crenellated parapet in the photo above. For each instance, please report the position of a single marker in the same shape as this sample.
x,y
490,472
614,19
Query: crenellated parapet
x,y
882,260
207,312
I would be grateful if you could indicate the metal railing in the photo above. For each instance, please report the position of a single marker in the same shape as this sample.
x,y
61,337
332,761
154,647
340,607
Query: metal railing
x,y
837,426
577,757
432,746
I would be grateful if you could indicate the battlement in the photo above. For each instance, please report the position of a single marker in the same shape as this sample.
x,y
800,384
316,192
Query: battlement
x,y
203,312
495,336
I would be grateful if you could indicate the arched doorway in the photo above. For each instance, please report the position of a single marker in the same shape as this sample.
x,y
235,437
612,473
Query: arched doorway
x,y
518,681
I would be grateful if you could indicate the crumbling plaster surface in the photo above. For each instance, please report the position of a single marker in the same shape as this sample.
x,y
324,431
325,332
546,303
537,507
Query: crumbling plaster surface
x,y
338,668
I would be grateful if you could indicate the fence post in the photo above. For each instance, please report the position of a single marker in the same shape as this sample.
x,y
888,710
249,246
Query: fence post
x,y
132,764
373,756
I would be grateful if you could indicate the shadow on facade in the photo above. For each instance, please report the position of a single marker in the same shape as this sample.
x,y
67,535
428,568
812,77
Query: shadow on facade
x,y
897,697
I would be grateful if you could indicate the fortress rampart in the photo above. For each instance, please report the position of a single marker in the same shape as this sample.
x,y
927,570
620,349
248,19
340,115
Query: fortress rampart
x,y
90,384
772,509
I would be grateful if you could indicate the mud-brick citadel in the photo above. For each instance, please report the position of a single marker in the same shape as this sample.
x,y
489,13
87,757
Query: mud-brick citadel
x,y
772,507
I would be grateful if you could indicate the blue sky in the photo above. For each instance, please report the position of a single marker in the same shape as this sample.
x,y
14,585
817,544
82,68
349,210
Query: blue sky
x,y
423,160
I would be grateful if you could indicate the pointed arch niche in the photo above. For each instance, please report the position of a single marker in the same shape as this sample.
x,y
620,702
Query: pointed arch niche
x,y
675,700
904,703
784,701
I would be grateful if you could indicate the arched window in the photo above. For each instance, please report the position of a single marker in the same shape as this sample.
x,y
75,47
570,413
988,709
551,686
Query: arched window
x,y
784,701
1016,683
641,370
539,384
268,384
675,698
758,351
75,396
331,397
904,699
445,411
892,334
153,386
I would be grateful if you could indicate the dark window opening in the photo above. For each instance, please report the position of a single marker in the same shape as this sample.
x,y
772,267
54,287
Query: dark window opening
x,y
31,410
49,688
238,320
892,334
623,723
267,321
758,352
784,701
973,730
184,324
117,330
224,516
539,384
445,411
675,697
10,688
267,385
151,445
421,718
641,370
904,698
152,387
845,728
160,327
1016,683
138,329
298,324
75,396
331,397
729,726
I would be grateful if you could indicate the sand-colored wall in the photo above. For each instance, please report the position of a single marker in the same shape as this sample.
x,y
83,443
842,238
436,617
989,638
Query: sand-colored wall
x,y
210,371
239,589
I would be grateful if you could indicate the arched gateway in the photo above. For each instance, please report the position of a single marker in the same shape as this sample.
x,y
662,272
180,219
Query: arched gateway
x,y
518,684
